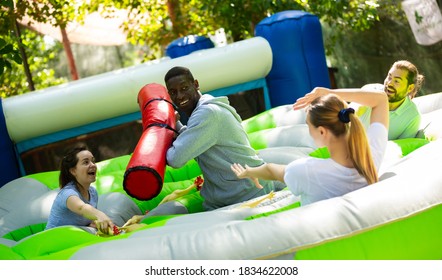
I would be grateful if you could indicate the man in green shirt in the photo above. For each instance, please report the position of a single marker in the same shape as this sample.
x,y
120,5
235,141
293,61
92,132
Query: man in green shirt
x,y
402,83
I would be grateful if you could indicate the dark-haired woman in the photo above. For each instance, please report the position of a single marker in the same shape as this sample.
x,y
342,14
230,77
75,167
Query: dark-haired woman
x,y
76,202
355,154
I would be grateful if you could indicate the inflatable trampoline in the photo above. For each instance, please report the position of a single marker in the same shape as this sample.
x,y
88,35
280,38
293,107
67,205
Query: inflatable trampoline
x,y
380,221
395,218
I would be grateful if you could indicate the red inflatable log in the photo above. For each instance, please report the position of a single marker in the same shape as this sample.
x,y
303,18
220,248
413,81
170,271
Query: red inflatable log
x,y
144,174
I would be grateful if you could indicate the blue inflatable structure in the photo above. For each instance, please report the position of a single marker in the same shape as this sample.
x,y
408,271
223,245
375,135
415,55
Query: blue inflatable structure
x,y
8,162
186,45
298,55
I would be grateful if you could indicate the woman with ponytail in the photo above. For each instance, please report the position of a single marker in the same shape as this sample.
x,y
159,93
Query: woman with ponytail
x,y
355,154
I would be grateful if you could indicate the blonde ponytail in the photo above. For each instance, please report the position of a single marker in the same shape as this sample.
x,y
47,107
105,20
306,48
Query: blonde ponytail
x,y
360,152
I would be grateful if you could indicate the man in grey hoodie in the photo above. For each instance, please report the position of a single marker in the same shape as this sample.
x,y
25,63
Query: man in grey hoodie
x,y
215,138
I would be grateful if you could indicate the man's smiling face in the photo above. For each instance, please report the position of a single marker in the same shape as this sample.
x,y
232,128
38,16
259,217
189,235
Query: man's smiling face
x,y
396,85
184,93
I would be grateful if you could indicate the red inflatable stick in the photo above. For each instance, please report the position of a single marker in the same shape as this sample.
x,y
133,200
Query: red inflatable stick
x,y
144,174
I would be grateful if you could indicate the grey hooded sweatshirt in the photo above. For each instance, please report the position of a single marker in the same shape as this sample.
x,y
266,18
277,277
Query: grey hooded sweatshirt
x,y
215,138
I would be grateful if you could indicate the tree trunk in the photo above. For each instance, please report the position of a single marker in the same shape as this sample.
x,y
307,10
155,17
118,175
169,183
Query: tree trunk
x,y
70,56
24,57
171,10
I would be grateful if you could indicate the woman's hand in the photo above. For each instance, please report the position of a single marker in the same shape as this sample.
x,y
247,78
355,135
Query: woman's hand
x,y
104,223
239,170
134,220
304,101
242,173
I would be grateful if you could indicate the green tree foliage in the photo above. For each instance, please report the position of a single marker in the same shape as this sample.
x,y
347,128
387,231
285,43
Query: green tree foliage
x,y
9,54
156,23
12,76
40,55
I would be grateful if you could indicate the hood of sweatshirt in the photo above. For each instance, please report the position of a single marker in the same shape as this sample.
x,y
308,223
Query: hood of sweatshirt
x,y
222,101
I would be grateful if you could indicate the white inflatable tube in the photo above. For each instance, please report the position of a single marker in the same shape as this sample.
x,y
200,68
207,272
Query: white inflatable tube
x,y
114,94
